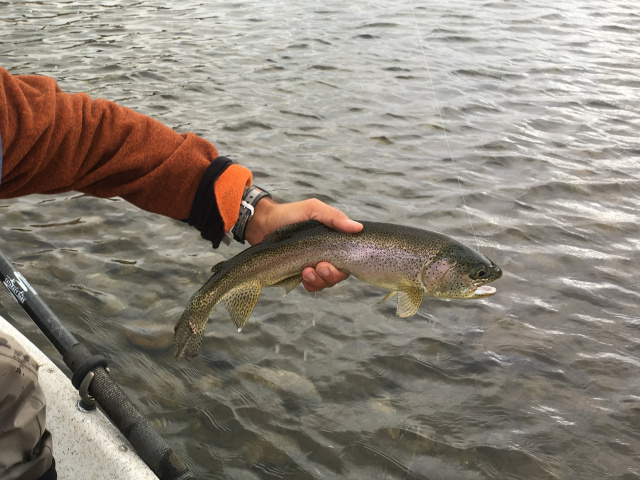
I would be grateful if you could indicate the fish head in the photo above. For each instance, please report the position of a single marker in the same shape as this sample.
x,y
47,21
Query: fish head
x,y
460,272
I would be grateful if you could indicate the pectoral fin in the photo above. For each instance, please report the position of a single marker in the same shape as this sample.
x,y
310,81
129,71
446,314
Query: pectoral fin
x,y
289,283
240,303
409,300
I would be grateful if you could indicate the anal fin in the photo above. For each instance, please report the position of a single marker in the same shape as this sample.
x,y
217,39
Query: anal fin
x,y
241,302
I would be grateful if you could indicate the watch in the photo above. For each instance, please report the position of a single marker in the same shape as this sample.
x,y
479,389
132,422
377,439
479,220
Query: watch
x,y
250,199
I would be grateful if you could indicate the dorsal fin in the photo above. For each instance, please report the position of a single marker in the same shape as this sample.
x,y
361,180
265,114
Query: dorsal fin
x,y
218,266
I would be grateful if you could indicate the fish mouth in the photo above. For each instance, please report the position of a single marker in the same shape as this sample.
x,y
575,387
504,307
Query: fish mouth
x,y
483,291
478,290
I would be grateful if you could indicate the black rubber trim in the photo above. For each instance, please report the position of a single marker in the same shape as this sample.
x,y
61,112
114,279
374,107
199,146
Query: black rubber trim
x,y
205,215
87,366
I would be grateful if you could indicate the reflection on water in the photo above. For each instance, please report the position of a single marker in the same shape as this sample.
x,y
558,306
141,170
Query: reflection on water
x,y
334,100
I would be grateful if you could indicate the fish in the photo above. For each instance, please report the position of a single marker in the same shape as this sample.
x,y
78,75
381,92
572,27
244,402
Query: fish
x,y
409,262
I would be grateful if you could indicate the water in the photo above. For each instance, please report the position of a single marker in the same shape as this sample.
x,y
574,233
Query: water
x,y
333,100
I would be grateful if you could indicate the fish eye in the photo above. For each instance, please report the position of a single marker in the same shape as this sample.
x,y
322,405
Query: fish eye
x,y
481,272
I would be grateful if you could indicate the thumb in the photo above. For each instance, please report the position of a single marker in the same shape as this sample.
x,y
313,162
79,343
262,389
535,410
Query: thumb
x,y
330,216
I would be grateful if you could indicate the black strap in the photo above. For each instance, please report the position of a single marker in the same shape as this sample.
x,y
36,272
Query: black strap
x,y
205,215
250,199
51,474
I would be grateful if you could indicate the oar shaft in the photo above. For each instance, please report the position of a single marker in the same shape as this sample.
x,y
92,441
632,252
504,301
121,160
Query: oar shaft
x,y
151,447
40,313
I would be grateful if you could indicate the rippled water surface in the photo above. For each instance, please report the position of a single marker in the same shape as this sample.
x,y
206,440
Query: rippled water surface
x,y
540,104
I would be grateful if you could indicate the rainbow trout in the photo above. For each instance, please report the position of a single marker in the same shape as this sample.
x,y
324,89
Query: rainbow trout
x,y
408,261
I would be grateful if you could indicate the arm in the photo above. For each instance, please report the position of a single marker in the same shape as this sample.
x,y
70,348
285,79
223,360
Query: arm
x,y
54,141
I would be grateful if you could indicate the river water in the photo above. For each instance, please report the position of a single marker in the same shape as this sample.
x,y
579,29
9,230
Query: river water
x,y
518,121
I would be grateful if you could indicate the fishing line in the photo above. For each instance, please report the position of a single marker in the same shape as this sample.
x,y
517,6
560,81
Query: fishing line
x,y
444,128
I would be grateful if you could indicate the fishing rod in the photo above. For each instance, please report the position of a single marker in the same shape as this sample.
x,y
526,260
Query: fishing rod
x,y
91,378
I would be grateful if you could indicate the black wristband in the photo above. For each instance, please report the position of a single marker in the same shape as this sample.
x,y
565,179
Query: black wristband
x,y
205,215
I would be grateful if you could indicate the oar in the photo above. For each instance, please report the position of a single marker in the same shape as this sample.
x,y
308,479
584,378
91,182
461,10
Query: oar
x,y
90,376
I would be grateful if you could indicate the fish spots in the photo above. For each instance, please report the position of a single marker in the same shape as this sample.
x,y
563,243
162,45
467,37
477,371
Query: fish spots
x,y
192,328
402,259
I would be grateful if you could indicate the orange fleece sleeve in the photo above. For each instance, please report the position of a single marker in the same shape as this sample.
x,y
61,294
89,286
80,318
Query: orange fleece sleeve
x,y
54,141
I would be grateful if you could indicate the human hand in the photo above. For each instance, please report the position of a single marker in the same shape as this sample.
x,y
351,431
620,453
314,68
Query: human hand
x,y
269,216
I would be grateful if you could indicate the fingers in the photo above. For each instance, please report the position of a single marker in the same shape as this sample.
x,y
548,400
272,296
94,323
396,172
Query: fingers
x,y
323,276
269,216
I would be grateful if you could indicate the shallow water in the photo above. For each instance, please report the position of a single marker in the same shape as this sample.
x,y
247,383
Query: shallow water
x,y
540,113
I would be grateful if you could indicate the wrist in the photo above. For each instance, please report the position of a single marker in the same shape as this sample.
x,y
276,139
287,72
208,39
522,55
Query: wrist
x,y
258,225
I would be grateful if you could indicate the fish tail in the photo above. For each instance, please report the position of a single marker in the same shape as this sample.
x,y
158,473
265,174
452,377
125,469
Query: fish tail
x,y
189,332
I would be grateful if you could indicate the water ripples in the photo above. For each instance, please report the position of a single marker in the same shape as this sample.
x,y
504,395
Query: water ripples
x,y
334,101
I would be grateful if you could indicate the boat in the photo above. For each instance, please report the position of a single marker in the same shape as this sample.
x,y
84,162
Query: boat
x,y
85,443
